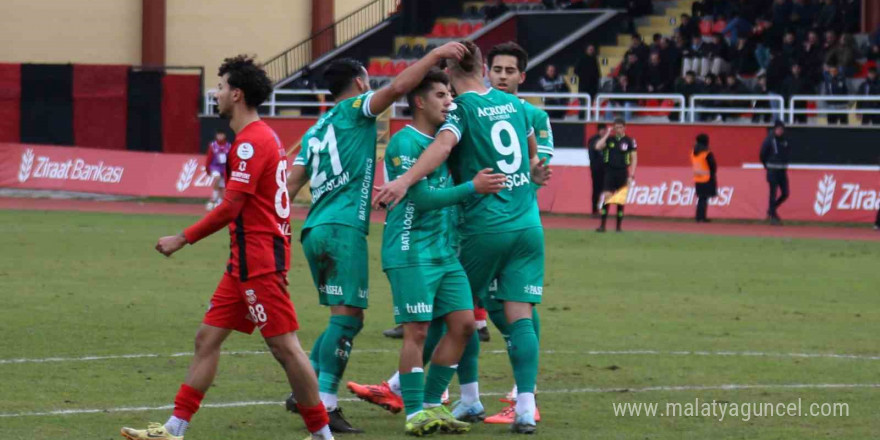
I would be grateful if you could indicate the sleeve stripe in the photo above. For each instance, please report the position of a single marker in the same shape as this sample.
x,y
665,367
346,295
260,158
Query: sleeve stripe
x,y
451,128
366,106
299,161
531,131
545,149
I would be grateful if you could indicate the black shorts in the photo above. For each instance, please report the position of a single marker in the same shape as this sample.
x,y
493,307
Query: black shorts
x,y
615,178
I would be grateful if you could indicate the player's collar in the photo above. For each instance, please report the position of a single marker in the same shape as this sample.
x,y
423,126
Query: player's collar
x,y
488,89
419,131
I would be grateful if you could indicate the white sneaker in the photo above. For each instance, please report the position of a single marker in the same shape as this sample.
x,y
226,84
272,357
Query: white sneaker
x,y
471,413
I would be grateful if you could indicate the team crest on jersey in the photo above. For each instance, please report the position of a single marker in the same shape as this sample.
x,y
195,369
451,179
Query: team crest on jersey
x,y
543,133
395,161
251,296
245,151
624,146
357,103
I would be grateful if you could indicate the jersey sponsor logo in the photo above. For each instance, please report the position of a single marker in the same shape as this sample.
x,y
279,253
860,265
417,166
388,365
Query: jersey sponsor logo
x,y
852,197
409,214
419,307
329,289
674,193
239,176
366,190
396,161
396,311
496,112
330,185
533,290
42,167
245,151
188,175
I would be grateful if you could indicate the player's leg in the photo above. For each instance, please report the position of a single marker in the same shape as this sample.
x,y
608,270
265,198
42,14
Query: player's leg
x,y
481,316
619,217
228,312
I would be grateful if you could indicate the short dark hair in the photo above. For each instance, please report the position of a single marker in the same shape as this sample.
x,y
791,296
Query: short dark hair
x,y
434,76
703,139
341,73
690,73
636,36
249,77
619,121
472,62
512,49
601,126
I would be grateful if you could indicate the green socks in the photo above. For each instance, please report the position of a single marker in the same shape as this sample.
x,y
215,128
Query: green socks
x,y
315,355
467,366
334,350
412,387
522,349
438,380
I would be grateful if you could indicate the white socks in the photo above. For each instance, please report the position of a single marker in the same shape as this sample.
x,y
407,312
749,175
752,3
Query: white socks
x,y
176,427
470,392
330,401
525,403
323,434
481,324
394,384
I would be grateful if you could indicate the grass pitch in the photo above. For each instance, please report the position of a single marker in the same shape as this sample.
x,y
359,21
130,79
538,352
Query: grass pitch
x,y
619,311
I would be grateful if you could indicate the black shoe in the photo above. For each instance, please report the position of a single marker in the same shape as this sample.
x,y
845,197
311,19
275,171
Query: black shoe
x,y
290,404
394,333
338,424
775,221
618,230
600,229
484,334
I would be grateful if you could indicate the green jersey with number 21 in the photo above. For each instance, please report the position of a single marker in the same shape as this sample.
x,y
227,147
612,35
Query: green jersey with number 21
x,y
339,153
492,130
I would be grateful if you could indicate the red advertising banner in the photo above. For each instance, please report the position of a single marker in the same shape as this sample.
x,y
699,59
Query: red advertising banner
x,y
103,171
832,195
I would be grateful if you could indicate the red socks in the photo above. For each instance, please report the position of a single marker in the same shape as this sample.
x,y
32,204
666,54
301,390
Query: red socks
x,y
315,416
480,314
187,402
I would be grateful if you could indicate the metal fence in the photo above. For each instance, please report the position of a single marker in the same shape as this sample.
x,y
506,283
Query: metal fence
x,y
674,108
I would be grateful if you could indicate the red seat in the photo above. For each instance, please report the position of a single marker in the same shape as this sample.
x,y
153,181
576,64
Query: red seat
x,y
437,30
718,26
705,27
387,69
375,68
863,70
399,67
451,30
478,26
667,103
466,29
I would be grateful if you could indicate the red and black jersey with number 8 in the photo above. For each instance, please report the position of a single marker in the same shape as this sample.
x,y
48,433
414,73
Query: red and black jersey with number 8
x,y
260,235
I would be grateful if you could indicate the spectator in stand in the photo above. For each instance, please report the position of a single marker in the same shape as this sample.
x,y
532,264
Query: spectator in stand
x,y
656,43
781,13
657,77
827,18
675,57
551,82
873,53
496,9
811,57
695,57
737,28
687,87
871,87
588,72
633,71
803,13
640,49
852,16
688,28
830,41
743,61
761,107
719,55
844,54
798,84
733,86
710,87
777,71
759,40
791,50
835,84
622,85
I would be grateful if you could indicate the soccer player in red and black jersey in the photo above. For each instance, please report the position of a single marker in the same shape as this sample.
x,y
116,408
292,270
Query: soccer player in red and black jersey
x,y
253,291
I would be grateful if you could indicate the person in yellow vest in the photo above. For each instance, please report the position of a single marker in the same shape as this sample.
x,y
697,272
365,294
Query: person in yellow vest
x,y
705,171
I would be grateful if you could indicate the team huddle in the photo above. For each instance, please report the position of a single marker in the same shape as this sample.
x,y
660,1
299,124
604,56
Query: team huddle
x,y
462,229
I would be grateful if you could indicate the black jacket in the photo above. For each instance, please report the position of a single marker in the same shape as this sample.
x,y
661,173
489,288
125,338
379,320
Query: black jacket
x,y
587,70
775,152
596,158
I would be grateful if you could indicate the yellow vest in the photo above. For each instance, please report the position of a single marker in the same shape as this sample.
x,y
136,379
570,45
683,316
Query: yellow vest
x,y
701,167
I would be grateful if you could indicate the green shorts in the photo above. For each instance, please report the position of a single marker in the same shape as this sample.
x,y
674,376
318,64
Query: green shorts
x,y
515,259
337,257
424,293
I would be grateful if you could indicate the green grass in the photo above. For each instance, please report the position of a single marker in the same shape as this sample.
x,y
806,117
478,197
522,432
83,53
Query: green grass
x,y
76,284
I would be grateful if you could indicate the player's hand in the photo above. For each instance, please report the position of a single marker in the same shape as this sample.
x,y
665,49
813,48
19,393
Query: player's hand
x,y
451,50
541,172
486,183
390,194
170,244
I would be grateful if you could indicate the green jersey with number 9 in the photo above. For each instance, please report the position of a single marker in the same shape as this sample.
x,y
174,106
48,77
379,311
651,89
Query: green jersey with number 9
x,y
339,153
492,131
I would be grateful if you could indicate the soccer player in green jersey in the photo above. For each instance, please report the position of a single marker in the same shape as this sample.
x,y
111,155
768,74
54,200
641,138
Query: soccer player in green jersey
x,y
338,157
501,234
428,284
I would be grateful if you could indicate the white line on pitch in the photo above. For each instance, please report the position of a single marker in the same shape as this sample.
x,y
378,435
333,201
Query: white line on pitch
x,y
380,350
726,387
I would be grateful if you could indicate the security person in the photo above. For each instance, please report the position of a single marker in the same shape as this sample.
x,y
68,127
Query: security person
x,y
705,175
597,167
775,155
620,158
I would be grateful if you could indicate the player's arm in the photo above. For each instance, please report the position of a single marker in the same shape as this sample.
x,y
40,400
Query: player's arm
x,y
296,180
426,198
392,192
413,75
217,219
632,166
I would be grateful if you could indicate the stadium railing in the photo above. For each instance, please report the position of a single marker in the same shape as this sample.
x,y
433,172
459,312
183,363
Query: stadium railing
x,y
776,105
584,109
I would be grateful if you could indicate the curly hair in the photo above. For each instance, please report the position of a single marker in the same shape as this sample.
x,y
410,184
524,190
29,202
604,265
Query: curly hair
x,y
511,49
249,77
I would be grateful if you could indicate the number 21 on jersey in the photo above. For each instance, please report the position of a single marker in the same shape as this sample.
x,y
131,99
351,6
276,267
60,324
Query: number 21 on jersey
x,y
315,148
